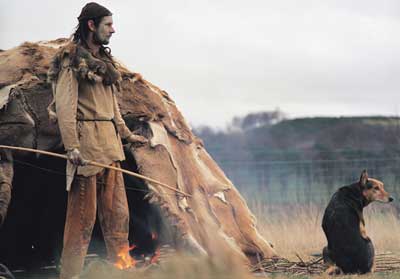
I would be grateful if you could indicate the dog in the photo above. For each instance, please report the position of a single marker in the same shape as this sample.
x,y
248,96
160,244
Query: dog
x,y
349,247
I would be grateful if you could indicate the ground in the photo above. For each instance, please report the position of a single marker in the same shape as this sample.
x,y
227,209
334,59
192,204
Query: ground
x,y
293,230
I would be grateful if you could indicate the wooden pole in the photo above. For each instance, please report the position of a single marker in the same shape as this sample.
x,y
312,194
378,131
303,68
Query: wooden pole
x,y
93,163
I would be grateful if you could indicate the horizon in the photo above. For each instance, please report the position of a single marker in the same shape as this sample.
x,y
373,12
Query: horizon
x,y
229,123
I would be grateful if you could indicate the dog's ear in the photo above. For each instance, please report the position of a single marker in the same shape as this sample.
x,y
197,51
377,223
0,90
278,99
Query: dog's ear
x,y
363,179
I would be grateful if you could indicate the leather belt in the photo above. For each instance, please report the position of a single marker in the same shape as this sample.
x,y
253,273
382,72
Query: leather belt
x,y
99,119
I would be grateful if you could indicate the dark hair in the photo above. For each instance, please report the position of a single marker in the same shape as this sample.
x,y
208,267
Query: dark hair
x,y
82,30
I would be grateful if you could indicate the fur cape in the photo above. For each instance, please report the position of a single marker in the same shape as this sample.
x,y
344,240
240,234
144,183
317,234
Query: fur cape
x,y
85,66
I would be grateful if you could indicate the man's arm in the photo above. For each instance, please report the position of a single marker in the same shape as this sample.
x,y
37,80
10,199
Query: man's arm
x,y
66,107
123,130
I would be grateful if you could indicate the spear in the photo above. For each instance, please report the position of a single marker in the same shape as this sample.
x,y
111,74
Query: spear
x,y
93,163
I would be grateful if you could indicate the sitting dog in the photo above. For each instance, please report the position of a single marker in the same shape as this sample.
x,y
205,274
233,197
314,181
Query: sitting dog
x,y
349,247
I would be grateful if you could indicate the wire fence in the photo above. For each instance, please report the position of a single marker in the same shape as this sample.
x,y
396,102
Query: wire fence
x,y
306,181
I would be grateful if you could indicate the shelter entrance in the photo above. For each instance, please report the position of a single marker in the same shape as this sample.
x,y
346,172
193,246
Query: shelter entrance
x,y
32,235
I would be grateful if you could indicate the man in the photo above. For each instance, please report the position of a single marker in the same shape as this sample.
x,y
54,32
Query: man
x,y
85,81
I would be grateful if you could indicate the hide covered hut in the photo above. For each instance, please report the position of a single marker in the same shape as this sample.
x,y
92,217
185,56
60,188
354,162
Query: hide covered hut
x,y
214,219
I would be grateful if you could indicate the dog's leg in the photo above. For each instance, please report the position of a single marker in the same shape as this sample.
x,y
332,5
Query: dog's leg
x,y
328,260
373,268
371,254
363,231
327,256
333,270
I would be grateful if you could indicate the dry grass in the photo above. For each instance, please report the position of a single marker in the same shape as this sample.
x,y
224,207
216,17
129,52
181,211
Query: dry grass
x,y
383,226
297,228
177,267
292,229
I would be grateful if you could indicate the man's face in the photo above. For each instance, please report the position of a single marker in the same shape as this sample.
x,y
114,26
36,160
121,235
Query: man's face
x,y
104,31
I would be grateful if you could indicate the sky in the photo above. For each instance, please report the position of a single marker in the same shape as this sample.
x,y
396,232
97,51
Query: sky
x,y
219,59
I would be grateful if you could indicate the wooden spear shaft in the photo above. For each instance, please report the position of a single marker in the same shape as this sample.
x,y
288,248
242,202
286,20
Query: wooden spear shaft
x,y
93,163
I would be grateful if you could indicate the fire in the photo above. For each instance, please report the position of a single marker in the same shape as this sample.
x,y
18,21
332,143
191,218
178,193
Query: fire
x,y
155,257
125,260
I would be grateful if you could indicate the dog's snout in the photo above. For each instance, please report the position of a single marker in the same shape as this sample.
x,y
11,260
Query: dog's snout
x,y
391,199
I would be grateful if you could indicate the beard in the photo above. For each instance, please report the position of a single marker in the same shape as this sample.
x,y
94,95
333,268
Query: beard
x,y
99,39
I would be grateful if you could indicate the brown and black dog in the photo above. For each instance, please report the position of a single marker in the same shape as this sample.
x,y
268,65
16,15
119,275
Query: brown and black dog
x,y
349,247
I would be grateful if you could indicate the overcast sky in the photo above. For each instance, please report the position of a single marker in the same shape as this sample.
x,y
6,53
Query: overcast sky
x,y
221,58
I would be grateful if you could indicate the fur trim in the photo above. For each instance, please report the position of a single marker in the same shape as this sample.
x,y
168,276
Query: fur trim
x,y
85,65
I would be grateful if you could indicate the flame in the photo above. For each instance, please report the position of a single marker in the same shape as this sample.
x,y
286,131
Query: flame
x,y
125,260
155,257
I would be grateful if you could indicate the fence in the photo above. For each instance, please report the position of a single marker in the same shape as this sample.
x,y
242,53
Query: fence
x,y
306,181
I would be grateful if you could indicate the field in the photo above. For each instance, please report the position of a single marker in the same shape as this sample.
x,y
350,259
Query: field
x,y
297,229
292,229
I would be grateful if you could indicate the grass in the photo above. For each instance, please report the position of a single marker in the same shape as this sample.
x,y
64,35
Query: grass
x,y
177,267
293,229
297,228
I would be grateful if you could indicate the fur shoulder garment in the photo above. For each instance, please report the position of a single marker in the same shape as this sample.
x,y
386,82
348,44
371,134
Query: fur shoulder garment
x,y
85,67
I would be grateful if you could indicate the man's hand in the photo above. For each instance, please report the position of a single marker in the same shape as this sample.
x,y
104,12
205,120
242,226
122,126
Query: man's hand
x,y
75,157
137,140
